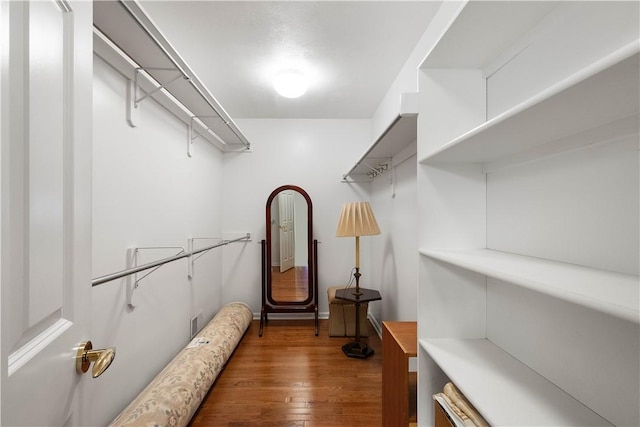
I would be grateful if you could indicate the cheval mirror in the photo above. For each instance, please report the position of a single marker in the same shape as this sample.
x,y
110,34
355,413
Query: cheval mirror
x,y
289,255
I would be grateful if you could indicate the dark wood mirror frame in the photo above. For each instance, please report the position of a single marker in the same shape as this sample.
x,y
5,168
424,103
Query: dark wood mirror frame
x,y
308,305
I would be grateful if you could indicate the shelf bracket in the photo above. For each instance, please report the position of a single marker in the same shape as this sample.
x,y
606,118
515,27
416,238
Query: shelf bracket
x,y
190,248
162,86
133,284
193,135
133,92
222,242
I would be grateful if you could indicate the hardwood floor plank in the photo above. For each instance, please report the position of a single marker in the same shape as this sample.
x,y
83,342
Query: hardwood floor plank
x,y
290,377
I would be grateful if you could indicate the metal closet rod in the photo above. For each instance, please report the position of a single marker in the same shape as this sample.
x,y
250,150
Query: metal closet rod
x,y
113,276
219,110
371,147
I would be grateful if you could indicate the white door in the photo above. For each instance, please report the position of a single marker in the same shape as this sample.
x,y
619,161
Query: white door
x,y
45,209
287,230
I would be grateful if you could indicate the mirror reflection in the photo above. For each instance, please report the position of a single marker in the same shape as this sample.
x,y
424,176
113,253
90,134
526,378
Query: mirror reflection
x,y
289,255
289,247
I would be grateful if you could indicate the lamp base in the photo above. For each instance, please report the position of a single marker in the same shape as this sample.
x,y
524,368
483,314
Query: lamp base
x,y
357,349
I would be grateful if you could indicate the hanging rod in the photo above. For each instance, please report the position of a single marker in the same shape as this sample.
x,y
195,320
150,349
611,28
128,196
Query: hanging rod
x,y
137,100
135,258
193,259
120,274
140,17
370,149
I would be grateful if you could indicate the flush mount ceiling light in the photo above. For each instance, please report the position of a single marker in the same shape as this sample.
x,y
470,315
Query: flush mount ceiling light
x,y
290,83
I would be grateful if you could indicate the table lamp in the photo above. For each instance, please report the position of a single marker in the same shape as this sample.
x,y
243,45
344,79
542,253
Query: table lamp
x,y
357,220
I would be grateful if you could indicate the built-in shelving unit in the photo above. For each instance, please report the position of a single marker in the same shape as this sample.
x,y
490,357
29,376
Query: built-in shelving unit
x,y
607,291
401,132
530,121
482,33
507,391
603,95
126,37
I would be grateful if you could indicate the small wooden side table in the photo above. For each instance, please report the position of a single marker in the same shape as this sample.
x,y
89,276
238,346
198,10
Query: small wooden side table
x,y
399,343
358,348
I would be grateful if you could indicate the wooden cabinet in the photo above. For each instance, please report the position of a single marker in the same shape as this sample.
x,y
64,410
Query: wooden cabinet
x,y
440,417
528,191
399,343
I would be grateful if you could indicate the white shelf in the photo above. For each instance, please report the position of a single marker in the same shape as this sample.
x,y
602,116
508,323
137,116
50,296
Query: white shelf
x,y
505,391
604,95
606,291
546,93
399,134
131,31
483,30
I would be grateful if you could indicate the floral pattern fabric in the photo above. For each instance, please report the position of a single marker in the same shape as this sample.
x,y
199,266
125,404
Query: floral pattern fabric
x,y
174,395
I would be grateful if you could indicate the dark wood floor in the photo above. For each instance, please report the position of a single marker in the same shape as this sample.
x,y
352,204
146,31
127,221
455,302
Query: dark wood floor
x,y
289,377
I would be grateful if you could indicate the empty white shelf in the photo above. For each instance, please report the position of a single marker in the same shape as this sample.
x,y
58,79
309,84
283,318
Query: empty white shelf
x,y
399,134
128,27
606,291
483,30
600,95
504,390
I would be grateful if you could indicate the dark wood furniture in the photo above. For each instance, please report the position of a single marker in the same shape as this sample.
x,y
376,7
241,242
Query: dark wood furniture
x,y
440,416
357,348
399,343
273,305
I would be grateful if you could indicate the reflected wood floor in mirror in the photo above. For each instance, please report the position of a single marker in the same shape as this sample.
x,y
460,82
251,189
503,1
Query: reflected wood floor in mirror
x,y
289,377
291,285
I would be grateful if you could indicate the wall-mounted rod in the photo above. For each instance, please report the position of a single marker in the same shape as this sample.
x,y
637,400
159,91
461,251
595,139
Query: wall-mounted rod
x,y
191,243
224,242
137,13
120,274
366,153
162,86
136,251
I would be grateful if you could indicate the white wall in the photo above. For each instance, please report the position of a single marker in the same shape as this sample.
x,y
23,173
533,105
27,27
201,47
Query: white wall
x,y
394,257
407,78
393,200
312,154
147,192
323,151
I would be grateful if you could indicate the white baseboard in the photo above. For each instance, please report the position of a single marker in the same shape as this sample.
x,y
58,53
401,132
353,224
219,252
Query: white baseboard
x,y
292,316
321,315
376,324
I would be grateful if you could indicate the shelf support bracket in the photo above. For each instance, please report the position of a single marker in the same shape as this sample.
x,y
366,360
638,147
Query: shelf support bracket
x,y
222,242
134,92
190,248
193,135
133,284
162,86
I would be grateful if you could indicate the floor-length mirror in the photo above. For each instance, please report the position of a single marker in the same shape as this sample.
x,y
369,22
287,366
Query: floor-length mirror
x,y
289,247
289,258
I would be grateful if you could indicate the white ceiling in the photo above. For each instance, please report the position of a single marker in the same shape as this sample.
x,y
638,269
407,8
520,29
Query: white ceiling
x,y
350,50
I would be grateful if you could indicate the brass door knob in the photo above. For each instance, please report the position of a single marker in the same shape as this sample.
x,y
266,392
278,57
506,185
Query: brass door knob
x,y
101,359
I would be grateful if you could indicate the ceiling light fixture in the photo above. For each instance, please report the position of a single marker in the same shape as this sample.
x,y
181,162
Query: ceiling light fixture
x,y
290,84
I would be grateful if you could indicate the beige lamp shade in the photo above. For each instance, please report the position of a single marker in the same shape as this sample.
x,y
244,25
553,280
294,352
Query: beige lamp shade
x,y
357,220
